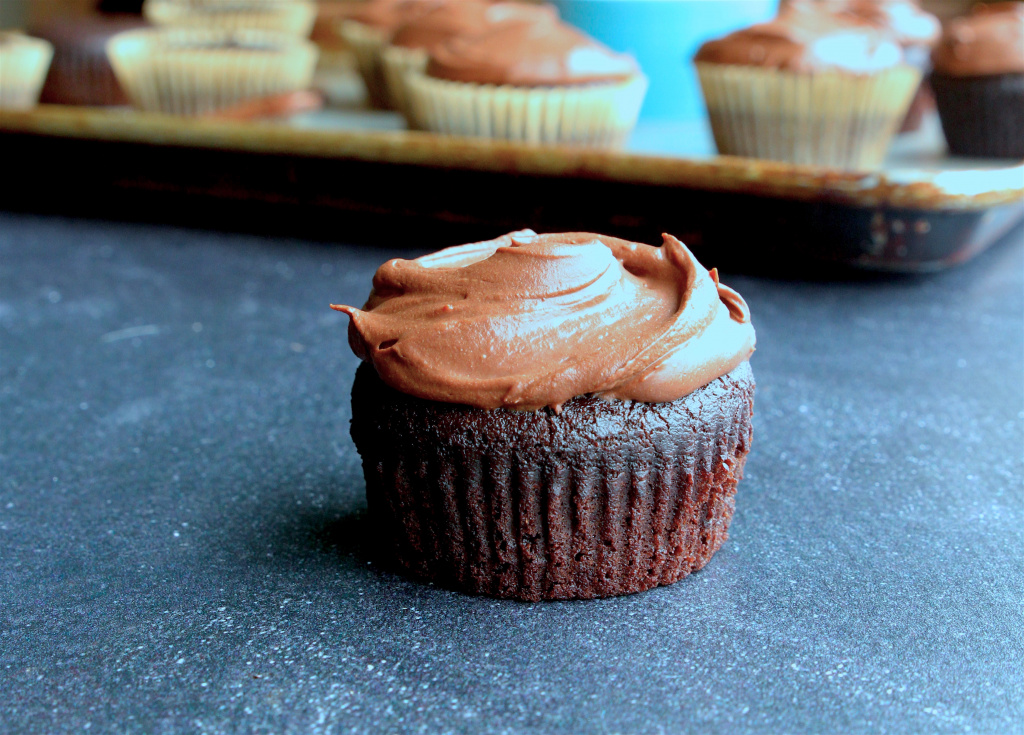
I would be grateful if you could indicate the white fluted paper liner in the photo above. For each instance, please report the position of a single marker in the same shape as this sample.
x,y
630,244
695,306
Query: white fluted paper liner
x,y
189,72
295,17
24,62
827,118
398,63
367,43
593,114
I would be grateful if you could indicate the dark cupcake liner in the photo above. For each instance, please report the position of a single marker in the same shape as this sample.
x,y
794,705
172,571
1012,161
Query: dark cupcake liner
x,y
82,77
982,116
561,518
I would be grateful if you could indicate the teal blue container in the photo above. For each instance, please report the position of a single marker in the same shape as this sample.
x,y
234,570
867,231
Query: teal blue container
x,y
664,35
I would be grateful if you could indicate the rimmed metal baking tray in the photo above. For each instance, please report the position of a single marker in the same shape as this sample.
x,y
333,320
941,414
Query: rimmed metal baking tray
x,y
922,211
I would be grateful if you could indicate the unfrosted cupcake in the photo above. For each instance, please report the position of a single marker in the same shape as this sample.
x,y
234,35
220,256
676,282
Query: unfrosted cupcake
x,y
184,71
367,28
905,22
806,89
410,46
979,82
552,416
23,64
532,82
283,16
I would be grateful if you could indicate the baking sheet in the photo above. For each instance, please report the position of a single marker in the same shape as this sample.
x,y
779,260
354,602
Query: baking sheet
x,y
923,210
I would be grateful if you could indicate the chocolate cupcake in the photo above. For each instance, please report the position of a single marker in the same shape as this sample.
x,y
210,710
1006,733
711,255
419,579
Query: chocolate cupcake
x,y
533,82
186,71
915,30
410,47
979,82
806,89
80,73
552,416
23,64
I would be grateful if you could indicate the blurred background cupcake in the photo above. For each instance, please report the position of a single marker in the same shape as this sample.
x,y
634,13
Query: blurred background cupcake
x,y
23,64
806,88
535,82
295,17
905,22
367,28
80,73
979,81
410,46
189,71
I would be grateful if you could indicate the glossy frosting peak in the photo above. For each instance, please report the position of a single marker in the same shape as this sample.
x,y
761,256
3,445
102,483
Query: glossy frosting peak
x,y
988,41
529,54
805,42
454,19
527,321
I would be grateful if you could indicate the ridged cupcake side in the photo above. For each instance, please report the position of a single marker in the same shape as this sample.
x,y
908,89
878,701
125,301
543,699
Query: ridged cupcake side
x,y
604,498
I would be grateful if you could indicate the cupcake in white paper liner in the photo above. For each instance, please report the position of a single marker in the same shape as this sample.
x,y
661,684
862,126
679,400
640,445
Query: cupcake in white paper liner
x,y
806,88
530,82
410,47
24,62
195,72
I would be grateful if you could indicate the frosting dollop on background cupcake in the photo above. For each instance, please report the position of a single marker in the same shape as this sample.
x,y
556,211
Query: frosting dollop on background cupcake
x,y
804,42
525,54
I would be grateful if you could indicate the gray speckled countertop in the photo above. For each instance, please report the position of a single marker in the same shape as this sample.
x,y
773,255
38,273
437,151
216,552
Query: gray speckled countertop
x,y
181,514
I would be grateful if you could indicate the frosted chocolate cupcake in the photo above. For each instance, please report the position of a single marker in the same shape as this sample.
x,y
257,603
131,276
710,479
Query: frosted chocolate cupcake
x,y
411,44
367,28
23,64
193,72
915,30
552,416
294,17
532,82
806,89
979,82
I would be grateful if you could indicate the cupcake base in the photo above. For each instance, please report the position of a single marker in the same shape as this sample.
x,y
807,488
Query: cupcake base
x,y
595,114
605,498
825,119
982,116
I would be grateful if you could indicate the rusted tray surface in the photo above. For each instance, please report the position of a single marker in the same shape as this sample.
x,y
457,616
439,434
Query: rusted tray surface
x,y
924,210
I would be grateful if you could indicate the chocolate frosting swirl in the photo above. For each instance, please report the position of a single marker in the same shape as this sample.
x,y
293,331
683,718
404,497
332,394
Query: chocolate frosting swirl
x,y
805,42
527,321
529,54
386,15
454,19
988,41
901,20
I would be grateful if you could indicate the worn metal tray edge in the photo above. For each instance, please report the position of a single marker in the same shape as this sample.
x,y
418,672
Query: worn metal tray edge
x,y
967,189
